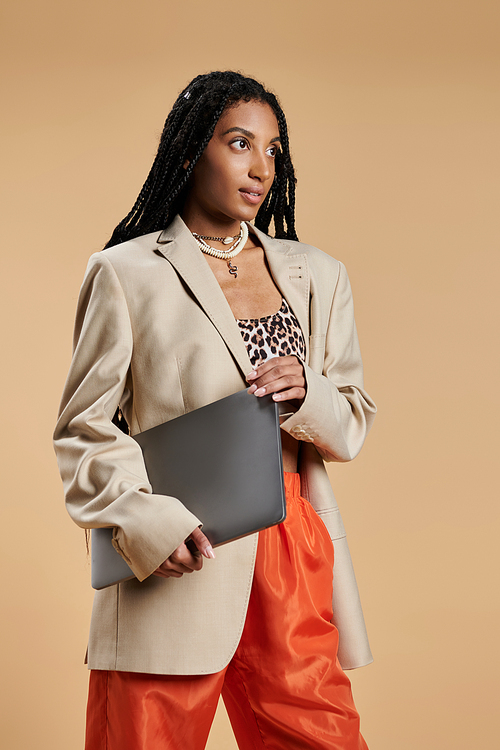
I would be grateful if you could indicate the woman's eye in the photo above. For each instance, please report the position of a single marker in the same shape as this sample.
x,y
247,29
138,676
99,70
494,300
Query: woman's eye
x,y
240,144
272,151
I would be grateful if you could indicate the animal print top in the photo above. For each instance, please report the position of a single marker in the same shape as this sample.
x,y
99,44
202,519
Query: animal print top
x,y
273,336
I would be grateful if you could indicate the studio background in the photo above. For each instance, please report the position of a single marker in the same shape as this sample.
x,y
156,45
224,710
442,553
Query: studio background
x,y
394,116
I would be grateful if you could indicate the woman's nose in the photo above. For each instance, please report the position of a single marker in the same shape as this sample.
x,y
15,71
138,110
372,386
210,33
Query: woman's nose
x,y
261,166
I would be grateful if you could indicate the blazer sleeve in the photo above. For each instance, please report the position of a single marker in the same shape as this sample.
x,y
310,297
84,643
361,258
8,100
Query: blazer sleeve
x,y
336,413
102,469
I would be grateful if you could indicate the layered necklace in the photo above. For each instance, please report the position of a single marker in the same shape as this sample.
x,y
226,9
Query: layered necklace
x,y
236,243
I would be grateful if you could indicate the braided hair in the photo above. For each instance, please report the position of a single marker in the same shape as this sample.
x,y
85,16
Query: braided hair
x,y
186,133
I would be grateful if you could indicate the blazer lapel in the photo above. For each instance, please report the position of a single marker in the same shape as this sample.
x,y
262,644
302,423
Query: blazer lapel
x,y
179,247
289,269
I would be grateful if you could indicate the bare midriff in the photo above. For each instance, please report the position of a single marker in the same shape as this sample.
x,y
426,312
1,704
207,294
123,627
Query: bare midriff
x,y
290,451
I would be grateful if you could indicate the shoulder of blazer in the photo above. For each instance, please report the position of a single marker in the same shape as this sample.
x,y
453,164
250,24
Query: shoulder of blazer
x,y
317,258
143,252
132,250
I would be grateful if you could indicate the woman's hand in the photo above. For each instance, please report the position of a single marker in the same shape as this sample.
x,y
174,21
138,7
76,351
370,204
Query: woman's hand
x,y
182,560
281,376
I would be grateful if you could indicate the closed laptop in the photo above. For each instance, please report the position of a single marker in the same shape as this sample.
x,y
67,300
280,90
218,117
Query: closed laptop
x,y
222,461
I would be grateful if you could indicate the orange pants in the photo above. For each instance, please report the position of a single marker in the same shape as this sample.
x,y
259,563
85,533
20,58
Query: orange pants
x,y
284,687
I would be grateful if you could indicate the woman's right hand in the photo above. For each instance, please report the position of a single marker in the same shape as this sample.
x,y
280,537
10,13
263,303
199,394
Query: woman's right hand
x,y
182,560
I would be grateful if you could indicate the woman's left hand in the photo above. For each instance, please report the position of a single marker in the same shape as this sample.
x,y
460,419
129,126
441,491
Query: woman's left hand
x,y
281,376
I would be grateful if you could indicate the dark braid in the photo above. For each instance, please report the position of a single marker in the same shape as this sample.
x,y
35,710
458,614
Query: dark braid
x,y
186,133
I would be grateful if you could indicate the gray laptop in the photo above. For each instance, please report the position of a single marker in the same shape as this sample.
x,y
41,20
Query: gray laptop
x,y
223,462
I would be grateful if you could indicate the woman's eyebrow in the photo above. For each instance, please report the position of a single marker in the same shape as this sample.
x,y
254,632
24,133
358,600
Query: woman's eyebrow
x,y
248,134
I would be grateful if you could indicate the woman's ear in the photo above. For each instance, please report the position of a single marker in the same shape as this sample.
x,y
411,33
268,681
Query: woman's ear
x,y
186,164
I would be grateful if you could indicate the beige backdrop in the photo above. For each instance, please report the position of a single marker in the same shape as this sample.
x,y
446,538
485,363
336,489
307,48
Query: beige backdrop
x,y
394,117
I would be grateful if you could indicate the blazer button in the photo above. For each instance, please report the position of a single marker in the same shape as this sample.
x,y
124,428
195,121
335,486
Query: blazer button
x,y
300,433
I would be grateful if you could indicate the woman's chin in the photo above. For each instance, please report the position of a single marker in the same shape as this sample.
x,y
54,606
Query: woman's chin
x,y
248,212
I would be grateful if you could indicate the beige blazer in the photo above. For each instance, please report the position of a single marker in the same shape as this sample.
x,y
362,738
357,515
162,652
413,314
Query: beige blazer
x,y
155,333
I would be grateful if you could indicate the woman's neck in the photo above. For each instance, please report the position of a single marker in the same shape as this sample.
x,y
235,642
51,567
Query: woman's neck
x,y
204,224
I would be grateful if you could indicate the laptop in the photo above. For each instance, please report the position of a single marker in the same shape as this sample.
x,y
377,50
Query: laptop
x,y
223,462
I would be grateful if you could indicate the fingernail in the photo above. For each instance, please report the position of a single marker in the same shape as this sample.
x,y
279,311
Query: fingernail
x,y
277,396
210,553
252,388
252,375
260,391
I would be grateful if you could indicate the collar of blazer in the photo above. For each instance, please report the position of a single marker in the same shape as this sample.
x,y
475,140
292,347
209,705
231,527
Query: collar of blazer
x,y
288,268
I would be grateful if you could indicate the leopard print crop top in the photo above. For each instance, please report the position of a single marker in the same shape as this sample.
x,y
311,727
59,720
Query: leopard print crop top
x,y
273,336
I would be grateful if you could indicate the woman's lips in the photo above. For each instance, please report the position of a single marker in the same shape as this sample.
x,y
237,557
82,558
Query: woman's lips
x,y
251,197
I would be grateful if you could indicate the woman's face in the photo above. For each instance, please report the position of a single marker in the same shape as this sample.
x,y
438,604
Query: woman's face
x,y
236,170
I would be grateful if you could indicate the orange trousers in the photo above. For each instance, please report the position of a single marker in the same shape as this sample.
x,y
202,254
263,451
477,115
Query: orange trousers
x,y
284,687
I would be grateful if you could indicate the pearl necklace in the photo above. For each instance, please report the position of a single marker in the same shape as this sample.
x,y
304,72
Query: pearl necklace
x,y
228,254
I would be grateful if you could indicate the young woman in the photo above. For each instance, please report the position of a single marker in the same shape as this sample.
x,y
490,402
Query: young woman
x,y
188,303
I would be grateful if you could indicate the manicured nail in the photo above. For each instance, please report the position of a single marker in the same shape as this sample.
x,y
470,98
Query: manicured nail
x,y
209,553
252,375
260,391
277,396
252,388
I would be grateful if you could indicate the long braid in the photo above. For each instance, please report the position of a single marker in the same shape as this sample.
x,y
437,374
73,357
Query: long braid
x,y
175,187
186,133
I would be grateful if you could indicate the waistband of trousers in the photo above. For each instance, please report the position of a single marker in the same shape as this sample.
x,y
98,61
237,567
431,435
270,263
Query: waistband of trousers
x,y
292,484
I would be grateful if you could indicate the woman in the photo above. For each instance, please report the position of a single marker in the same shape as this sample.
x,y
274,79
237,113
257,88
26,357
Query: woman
x,y
187,304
